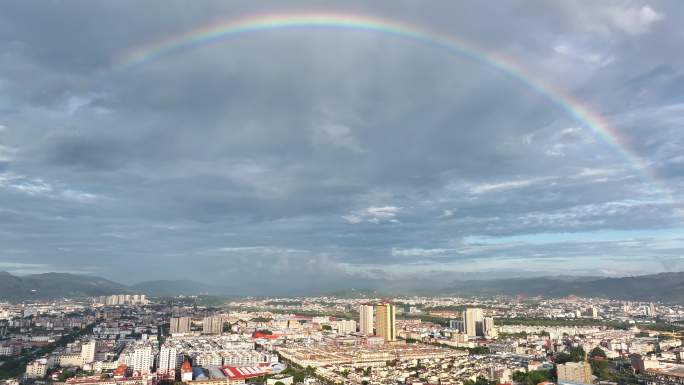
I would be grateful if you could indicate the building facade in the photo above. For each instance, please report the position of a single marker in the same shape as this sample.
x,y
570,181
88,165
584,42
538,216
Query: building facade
x,y
575,372
386,321
366,319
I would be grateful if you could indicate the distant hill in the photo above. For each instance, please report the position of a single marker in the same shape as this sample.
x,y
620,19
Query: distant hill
x,y
55,285
64,285
666,287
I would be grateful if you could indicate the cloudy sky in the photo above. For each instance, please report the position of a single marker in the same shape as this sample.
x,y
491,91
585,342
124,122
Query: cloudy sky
x,y
324,157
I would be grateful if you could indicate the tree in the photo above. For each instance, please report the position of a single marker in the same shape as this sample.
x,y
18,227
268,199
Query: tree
x,y
573,355
599,368
598,352
479,381
532,377
279,383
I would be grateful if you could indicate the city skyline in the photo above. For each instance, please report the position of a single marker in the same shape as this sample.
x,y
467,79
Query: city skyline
x,y
318,146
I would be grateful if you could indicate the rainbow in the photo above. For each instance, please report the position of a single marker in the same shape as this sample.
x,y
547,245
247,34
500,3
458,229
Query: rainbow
x,y
346,21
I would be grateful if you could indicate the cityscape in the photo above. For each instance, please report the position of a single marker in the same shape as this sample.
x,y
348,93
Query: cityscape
x,y
341,192
130,339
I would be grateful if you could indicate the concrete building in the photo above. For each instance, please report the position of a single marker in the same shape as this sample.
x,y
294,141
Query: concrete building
x,y
456,325
575,372
471,318
180,325
88,352
170,359
344,326
488,329
212,325
142,359
366,319
386,321
37,368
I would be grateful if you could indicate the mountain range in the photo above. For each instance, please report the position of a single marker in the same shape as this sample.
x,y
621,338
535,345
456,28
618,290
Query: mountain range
x,y
65,285
664,287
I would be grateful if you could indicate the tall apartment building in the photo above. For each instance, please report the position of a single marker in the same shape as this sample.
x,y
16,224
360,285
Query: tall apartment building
x,y
180,325
142,359
122,299
385,316
456,324
344,326
471,318
88,352
366,319
575,372
170,359
488,329
212,325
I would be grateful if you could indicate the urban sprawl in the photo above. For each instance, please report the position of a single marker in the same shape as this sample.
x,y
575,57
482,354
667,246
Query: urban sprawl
x,y
136,340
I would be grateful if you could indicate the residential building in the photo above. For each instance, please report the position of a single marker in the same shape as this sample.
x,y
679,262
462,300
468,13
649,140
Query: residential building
x,y
386,321
142,359
88,352
488,329
471,318
37,368
574,372
366,319
212,325
180,325
170,359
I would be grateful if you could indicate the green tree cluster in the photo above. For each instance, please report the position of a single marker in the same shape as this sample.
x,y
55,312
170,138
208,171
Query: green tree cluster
x,y
575,354
532,377
479,381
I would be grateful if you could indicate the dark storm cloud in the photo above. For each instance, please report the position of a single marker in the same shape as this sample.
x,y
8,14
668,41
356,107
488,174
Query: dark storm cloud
x,y
316,159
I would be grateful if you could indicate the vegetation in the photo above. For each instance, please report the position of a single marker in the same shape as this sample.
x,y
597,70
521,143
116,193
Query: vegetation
x,y
426,318
284,303
522,334
479,381
533,377
561,322
598,352
574,355
479,350
661,327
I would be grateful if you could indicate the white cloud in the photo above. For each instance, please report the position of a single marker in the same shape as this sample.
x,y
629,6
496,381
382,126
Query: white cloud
x,y
37,186
269,250
582,54
32,187
633,20
447,214
502,186
418,252
374,214
78,196
606,18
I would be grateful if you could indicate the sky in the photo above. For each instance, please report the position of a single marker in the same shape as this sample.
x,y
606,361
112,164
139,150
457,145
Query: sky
x,y
326,158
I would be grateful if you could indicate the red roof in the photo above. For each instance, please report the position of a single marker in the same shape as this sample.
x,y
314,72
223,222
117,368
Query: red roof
x,y
121,370
265,336
241,372
186,368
